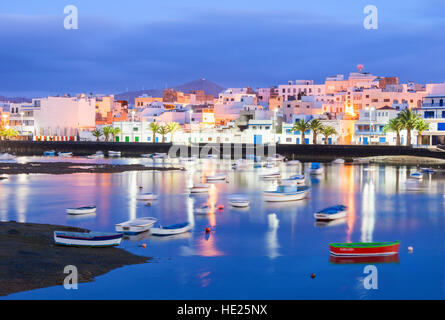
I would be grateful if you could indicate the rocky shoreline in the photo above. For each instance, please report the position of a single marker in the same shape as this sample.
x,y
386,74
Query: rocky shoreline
x,y
30,259
71,167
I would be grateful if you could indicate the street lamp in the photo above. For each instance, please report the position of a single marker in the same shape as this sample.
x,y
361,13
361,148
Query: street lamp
x,y
191,112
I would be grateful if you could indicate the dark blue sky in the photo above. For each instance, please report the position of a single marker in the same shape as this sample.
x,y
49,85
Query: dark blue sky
x,y
151,44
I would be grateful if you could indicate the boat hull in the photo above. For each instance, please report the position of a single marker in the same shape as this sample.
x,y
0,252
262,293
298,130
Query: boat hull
x,y
146,197
136,226
363,249
81,241
279,197
329,217
169,232
79,211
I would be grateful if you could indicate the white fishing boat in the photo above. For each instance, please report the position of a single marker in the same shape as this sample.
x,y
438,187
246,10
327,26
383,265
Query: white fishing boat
x,y
114,153
294,180
6,156
316,169
87,239
331,213
416,175
286,193
146,155
216,177
200,188
269,173
97,155
275,157
171,230
338,161
203,209
159,156
146,196
293,163
81,210
239,201
65,154
136,226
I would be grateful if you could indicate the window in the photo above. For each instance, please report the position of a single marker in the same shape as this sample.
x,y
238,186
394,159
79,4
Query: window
x,y
288,139
428,114
441,102
443,114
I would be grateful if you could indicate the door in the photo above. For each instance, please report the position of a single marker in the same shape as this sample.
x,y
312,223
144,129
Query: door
x,y
257,139
365,140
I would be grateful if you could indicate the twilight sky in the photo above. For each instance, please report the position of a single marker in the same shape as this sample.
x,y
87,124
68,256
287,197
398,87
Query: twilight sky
x,y
138,44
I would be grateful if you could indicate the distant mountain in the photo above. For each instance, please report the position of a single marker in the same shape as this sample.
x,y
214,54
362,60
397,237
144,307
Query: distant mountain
x,y
14,100
209,87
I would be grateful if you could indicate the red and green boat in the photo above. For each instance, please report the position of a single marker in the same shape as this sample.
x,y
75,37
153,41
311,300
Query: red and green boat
x,y
364,248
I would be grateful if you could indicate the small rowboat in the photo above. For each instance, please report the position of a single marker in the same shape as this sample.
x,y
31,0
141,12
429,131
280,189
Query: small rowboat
x,y
216,177
6,156
316,169
293,163
114,153
65,154
365,248
170,230
97,155
427,170
331,213
81,210
50,153
338,161
146,196
159,156
294,180
239,201
203,210
270,173
200,188
87,239
136,226
286,193
416,175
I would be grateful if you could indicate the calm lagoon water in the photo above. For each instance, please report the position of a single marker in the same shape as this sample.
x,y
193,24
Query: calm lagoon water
x,y
244,257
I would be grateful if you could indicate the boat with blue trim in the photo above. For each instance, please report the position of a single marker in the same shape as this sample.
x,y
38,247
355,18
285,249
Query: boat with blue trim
x,y
286,193
331,213
171,230
316,168
87,239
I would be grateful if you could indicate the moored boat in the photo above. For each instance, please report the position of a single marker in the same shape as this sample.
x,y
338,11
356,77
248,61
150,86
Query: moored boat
x,y
200,188
65,154
87,239
147,196
203,209
286,193
427,170
97,155
239,201
365,248
416,175
114,153
136,226
171,230
294,180
331,213
293,163
316,169
6,156
216,177
81,210
50,153
338,161
270,173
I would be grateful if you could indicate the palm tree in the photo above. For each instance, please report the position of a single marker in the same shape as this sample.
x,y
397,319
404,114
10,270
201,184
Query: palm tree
x,y
394,125
316,127
421,126
114,132
9,133
107,132
172,128
408,119
328,131
154,127
163,130
97,134
301,126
